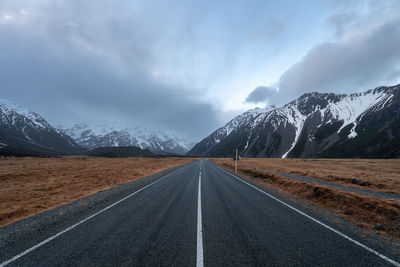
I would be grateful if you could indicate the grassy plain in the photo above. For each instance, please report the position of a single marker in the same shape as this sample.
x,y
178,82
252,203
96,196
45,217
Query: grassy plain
x,y
383,174
32,185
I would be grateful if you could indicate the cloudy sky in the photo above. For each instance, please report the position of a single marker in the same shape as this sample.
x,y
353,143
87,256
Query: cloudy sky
x,y
187,67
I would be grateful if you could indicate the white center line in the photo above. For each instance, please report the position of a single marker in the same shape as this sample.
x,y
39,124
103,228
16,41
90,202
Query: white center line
x,y
319,222
80,222
199,258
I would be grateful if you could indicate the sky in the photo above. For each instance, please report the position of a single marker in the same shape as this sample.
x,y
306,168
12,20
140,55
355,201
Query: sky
x,y
188,67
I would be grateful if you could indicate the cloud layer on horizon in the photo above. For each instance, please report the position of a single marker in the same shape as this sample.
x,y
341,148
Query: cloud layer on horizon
x,y
356,63
261,94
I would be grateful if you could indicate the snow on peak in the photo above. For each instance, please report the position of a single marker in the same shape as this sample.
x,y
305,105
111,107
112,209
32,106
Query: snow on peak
x,y
141,137
257,110
351,108
346,108
11,112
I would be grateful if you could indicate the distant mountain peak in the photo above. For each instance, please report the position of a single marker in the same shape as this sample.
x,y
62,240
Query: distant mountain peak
x,y
10,110
24,132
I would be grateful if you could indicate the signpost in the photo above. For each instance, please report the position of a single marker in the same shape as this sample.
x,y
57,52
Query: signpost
x,y
236,160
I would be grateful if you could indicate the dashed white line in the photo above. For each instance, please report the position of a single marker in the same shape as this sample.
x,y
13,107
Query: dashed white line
x,y
199,256
319,222
80,222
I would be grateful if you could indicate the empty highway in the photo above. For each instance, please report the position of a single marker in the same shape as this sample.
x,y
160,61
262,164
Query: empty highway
x,y
197,215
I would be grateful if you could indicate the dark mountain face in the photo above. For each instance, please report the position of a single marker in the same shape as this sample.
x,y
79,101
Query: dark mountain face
x,y
23,132
314,125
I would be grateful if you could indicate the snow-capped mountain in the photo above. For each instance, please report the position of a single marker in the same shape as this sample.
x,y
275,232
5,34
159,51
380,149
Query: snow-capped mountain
x,y
101,136
329,125
25,132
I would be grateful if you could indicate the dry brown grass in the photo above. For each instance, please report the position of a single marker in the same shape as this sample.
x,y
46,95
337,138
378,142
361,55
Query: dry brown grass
x,y
363,211
32,185
384,175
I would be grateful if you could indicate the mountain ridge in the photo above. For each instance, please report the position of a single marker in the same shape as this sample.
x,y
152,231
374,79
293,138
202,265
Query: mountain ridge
x,y
24,132
107,136
309,126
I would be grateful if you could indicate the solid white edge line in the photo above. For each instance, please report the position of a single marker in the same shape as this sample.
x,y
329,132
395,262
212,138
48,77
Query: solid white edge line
x,y
82,221
199,255
317,221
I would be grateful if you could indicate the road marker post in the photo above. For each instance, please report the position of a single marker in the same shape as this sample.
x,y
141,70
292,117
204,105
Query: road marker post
x,y
236,160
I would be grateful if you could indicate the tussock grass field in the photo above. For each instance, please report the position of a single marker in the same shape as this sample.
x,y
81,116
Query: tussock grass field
x,y
373,213
383,174
32,185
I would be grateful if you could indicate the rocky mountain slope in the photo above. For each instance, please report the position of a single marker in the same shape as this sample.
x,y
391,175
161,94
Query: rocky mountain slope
x,y
105,136
23,132
314,125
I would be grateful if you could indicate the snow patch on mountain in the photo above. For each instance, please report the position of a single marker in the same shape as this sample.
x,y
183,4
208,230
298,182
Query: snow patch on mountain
x,y
108,135
351,107
238,121
22,129
11,112
296,119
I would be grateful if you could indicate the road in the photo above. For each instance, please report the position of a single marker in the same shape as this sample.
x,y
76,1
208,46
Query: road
x,y
197,215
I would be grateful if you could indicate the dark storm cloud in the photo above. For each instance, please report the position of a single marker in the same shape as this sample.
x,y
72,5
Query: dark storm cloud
x,y
261,94
361,62
73,69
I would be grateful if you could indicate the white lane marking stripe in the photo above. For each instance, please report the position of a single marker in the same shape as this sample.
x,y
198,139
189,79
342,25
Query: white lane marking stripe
x,y
319,222
80,222
199,256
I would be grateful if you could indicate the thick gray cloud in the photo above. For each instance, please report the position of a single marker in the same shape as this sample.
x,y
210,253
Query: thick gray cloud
x,y
71,87
75,68
261,94
357,63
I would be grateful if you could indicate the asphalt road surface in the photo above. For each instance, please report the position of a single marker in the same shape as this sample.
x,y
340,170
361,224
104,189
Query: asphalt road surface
x,y
197,215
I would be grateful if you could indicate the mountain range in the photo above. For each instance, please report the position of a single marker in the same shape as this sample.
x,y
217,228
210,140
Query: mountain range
x,y
365,124
24,132
108,136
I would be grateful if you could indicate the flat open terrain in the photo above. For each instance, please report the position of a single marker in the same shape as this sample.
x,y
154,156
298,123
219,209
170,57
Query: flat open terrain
x,y
371,211
32,185
384,175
